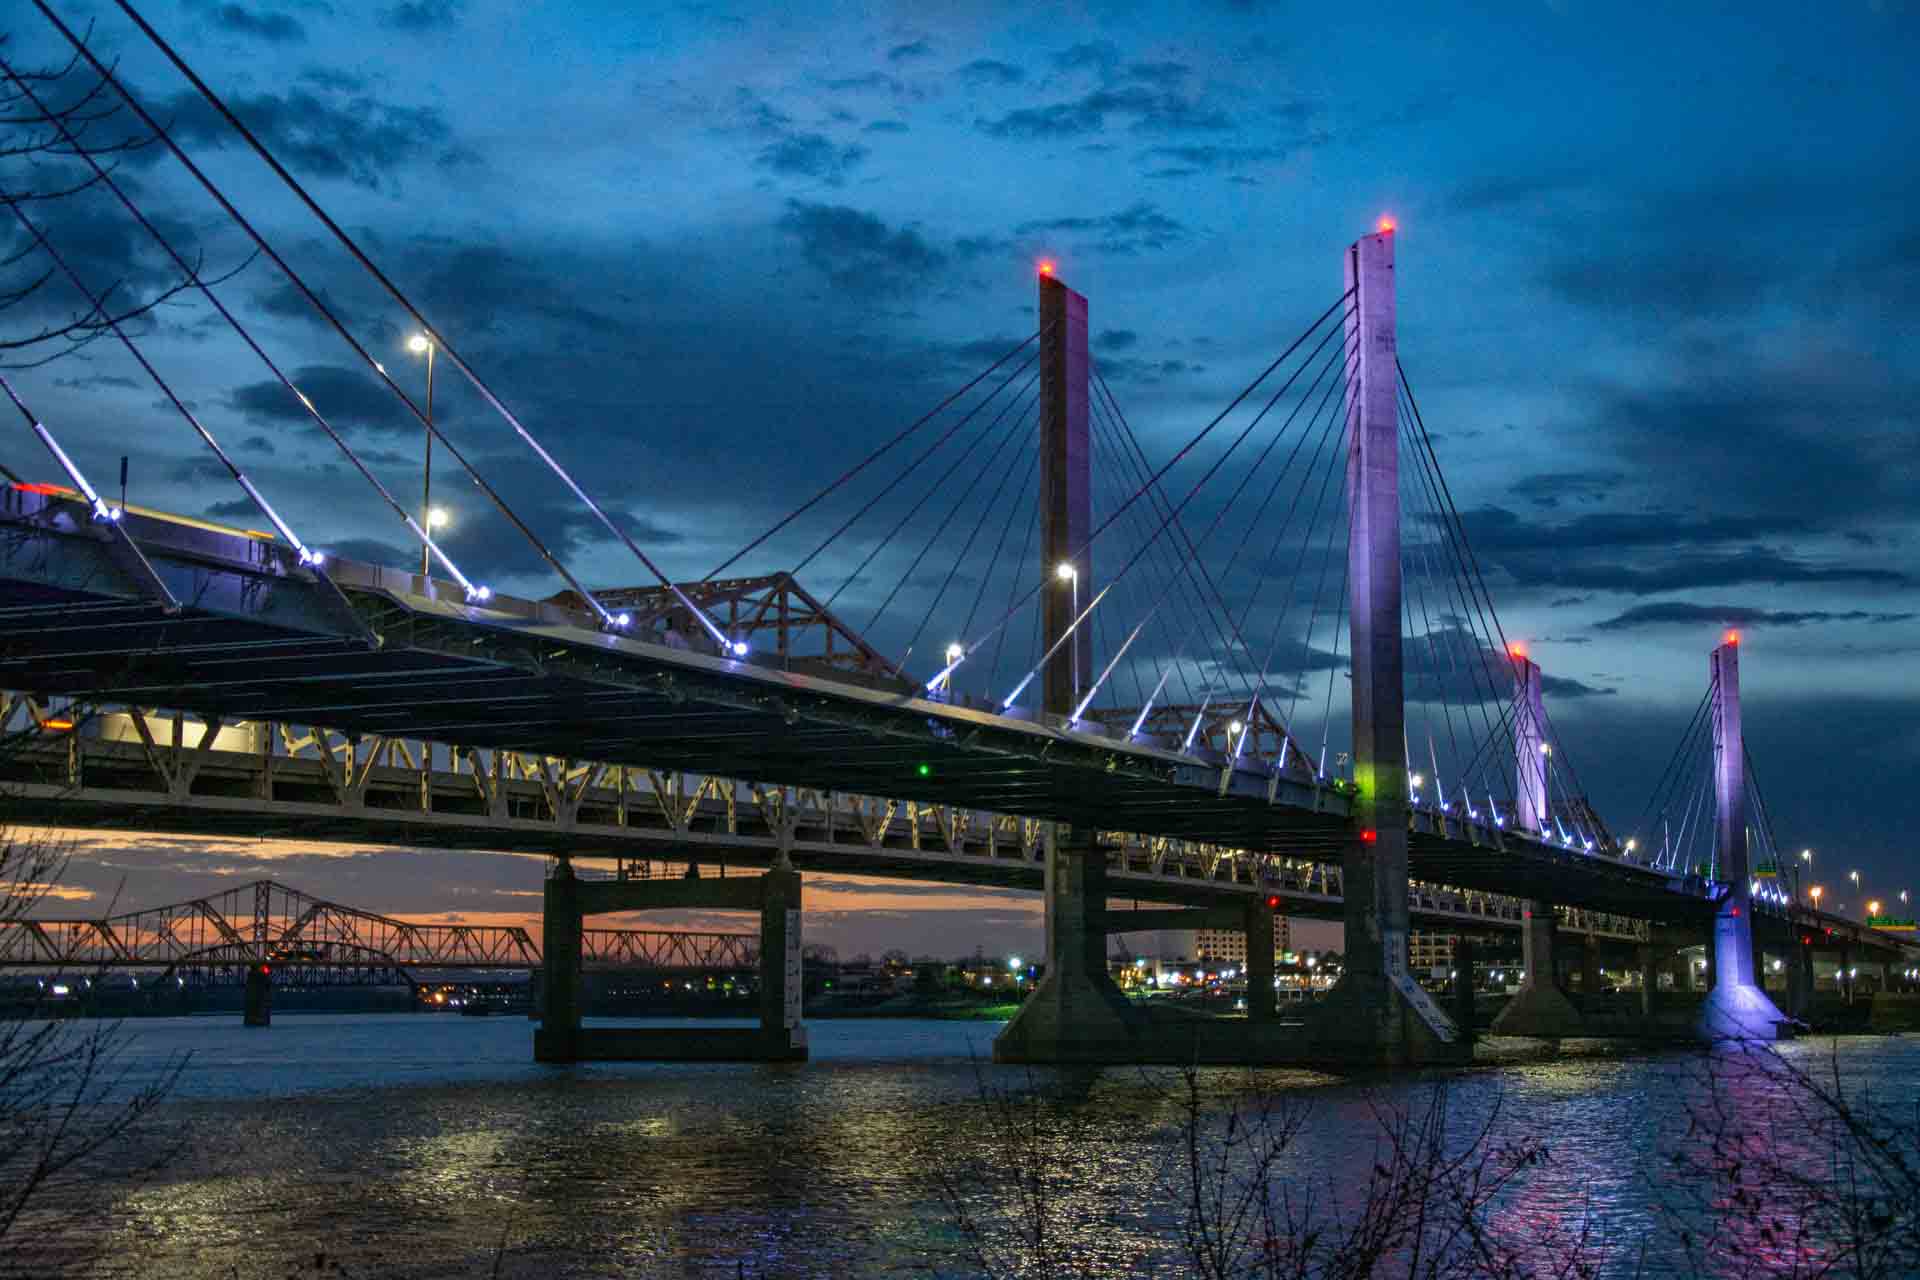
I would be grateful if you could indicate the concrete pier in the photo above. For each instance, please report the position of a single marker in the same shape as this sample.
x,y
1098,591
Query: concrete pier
x,y
258,1009
780,1037
1540,1008
1076,1014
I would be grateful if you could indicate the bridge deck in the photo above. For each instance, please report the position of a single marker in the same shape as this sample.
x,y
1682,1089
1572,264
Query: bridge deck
x,y
260,640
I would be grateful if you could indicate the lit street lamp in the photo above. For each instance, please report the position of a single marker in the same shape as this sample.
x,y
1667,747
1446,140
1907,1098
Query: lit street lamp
x,y
420,344
1816,891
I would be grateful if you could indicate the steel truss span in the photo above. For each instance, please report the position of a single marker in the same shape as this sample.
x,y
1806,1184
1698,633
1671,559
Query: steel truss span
x,y
265,922
139,768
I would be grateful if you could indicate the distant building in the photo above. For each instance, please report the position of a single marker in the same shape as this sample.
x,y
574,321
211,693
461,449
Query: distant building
x,y
1428,951
1170,950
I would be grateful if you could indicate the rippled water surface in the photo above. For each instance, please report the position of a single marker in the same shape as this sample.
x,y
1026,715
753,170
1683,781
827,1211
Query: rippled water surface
x,y
432,1146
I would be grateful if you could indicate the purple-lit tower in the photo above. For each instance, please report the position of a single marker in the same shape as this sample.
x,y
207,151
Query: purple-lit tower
x,y
1736,1008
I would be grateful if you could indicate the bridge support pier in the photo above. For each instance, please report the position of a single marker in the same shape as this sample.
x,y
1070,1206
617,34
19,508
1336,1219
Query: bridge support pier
x,y
1076,1014
1260,1002
1649,981
780,1037
1541,1009
258,1009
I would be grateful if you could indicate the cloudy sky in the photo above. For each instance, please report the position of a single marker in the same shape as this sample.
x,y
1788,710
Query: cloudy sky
x,y
1656,290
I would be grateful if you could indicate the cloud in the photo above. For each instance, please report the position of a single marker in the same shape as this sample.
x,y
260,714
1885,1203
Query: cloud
x,y
987,71
321,132
1139,226
1115,340
1097,55
886,126
275,28
350,399
1677,613
1548,489
811,155
857,252
423,15
1585,554
1211,159
908,52
1150,110
237,509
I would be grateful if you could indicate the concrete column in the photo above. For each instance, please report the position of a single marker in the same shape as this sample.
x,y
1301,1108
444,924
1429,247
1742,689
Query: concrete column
x,y
1463,965
1799,978
1736,1007
258,1008
1541,1008
1066,504
1589,968
1649,981
1377,1012
780,969
558,1038
1076,1014
1260,1004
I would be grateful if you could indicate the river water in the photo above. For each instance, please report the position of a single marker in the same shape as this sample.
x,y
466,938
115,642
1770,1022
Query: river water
x,y
432,1146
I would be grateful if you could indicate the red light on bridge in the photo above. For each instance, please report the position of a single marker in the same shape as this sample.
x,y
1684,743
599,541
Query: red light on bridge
x,y
1046,267
1273,902
266,970
1517,650
60,725
1369,836
1733,637
1387,224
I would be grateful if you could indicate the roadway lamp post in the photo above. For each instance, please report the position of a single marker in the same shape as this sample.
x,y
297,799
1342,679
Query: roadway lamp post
x,y
421,344
1806,856
1071,576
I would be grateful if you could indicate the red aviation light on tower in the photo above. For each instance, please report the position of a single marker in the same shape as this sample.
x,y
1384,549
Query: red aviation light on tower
x,y
1733,637
1046,267
1387,226
1517,651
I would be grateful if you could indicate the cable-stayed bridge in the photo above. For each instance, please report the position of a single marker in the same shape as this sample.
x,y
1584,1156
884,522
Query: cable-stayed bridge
x,y
1273,646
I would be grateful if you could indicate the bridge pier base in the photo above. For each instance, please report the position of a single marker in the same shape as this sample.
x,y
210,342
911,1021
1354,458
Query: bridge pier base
x,y
1541,1009
1077,1014
258,1008
780,1037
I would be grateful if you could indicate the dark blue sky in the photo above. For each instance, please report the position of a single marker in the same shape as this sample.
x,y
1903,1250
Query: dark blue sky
x,y
1657,280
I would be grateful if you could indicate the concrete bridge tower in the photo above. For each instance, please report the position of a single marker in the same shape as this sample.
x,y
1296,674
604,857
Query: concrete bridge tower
x,y
1736,1007
1540,1008
1377,1012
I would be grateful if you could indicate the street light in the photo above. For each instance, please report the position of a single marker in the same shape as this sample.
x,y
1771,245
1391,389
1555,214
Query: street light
x,y
1816,891
420,344
437,517
1070,575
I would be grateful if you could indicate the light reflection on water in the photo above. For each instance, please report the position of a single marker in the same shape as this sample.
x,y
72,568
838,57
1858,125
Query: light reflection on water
x,y
415,1147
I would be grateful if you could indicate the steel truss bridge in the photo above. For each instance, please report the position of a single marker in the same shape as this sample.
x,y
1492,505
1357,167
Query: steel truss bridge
x,y
308,940
131,768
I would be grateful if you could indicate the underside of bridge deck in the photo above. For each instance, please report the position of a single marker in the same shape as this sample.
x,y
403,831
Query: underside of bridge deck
x,y
261,640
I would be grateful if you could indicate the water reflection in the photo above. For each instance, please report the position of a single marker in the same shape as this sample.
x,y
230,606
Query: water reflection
x,y
825,1170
